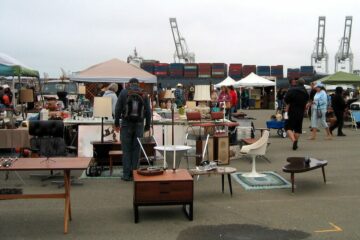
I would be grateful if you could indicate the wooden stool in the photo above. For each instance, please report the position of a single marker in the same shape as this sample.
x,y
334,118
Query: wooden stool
x,y
112,154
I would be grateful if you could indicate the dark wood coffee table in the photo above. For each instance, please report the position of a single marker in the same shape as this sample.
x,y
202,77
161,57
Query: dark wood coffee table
x,y
297,165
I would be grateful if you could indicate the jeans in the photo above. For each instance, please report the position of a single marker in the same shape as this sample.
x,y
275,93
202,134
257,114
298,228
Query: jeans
x,y
315,119
129,133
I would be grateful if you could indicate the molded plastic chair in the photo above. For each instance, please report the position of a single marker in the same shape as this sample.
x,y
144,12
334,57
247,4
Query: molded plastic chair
x,y
258,148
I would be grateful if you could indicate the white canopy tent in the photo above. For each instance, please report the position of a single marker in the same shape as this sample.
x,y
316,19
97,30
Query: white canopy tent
x,y
253,80
113,70
226,82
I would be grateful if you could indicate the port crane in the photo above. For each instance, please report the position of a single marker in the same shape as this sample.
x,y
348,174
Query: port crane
x,y
320,57
182,53
344,57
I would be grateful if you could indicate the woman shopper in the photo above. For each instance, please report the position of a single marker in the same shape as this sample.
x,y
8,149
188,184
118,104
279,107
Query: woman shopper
x,y
318,112
338,104
224,99
111,92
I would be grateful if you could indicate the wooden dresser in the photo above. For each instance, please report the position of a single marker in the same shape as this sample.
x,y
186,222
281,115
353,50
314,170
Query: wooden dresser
x,y
167,189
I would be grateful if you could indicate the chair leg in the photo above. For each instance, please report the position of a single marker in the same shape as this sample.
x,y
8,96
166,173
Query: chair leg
x,y
253,172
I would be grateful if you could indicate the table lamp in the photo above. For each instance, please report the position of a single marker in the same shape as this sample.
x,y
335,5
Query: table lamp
x,y
202,95
82,90
25,96
169,95
103,109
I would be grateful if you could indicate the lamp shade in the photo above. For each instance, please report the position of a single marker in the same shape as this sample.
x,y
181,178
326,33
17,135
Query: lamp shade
x,y
82,89
169,94
102,107
202,93
26,95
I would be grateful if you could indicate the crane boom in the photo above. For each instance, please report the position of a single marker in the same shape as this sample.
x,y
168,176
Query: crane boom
x,y
181,49
344,57
319,57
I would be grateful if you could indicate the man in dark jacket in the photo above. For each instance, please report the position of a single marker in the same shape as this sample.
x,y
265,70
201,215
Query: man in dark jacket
x,y
130,128
338,105
296,99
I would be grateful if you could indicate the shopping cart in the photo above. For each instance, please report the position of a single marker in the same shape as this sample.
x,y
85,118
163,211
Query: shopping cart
x,y
279,125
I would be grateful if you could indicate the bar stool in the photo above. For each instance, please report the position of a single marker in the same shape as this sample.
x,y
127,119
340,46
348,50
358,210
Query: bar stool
x,y
113,154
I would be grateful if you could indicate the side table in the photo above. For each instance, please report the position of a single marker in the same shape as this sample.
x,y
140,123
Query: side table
x,y
169,188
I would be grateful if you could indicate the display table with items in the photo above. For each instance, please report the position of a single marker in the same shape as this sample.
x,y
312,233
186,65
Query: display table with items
x,y
303,164
169,188
44,164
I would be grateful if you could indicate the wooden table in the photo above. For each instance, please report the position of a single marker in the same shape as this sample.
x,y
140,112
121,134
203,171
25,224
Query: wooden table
x,y
298,165
217,171
169,188
14,138
41,164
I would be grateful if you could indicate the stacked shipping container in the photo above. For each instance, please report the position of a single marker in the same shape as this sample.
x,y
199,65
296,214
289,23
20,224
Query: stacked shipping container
x,y
149,67
161,69
204,70
306,71
293,73
176,70
277,71
191,70
219,70
235,70
247,69
263,70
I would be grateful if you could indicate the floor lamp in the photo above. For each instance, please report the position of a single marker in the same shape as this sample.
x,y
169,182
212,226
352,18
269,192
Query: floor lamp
x,y
25,96
103,109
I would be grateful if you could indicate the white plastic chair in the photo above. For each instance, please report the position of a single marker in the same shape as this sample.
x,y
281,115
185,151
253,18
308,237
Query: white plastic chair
x,y
258,148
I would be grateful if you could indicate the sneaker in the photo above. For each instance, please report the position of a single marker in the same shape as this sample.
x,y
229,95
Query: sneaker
x,y
341,135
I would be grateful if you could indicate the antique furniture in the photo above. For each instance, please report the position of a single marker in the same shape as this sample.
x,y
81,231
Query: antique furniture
x,y
299,165
169,188
44,164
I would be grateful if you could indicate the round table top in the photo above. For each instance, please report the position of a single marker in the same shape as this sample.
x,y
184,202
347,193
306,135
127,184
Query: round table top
x,y
173,148
218,170
297,164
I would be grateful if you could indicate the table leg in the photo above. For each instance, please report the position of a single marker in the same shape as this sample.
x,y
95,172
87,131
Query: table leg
x,y
323,172
136,213
222,183
230,186
111,165
67,214
189,214
292,181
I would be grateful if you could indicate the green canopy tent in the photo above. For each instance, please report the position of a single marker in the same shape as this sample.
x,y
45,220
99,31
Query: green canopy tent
x,y
11,67
341,78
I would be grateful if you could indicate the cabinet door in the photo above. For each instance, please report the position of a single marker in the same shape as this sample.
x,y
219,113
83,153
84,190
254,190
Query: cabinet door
x,y
222,150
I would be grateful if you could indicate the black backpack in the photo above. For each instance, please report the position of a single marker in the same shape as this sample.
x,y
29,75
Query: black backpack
x,y
134,106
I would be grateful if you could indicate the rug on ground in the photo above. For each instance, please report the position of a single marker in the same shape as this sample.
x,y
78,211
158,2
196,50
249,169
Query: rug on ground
x,y
271,180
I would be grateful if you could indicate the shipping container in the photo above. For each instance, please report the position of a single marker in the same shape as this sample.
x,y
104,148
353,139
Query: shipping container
x,y
176,70
204,70
293,73
218,70
235,70
149,67
247,69
161,69
263,70
190,70
277,71
306,71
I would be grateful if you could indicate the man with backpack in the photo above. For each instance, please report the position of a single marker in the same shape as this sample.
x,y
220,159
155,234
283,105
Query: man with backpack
x,y
132,107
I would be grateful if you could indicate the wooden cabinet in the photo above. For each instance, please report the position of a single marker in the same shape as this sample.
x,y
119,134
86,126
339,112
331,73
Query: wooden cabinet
x,y
170,188
222,149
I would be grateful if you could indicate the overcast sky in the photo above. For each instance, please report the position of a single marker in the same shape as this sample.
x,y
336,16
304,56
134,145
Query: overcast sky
x,y
75,34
